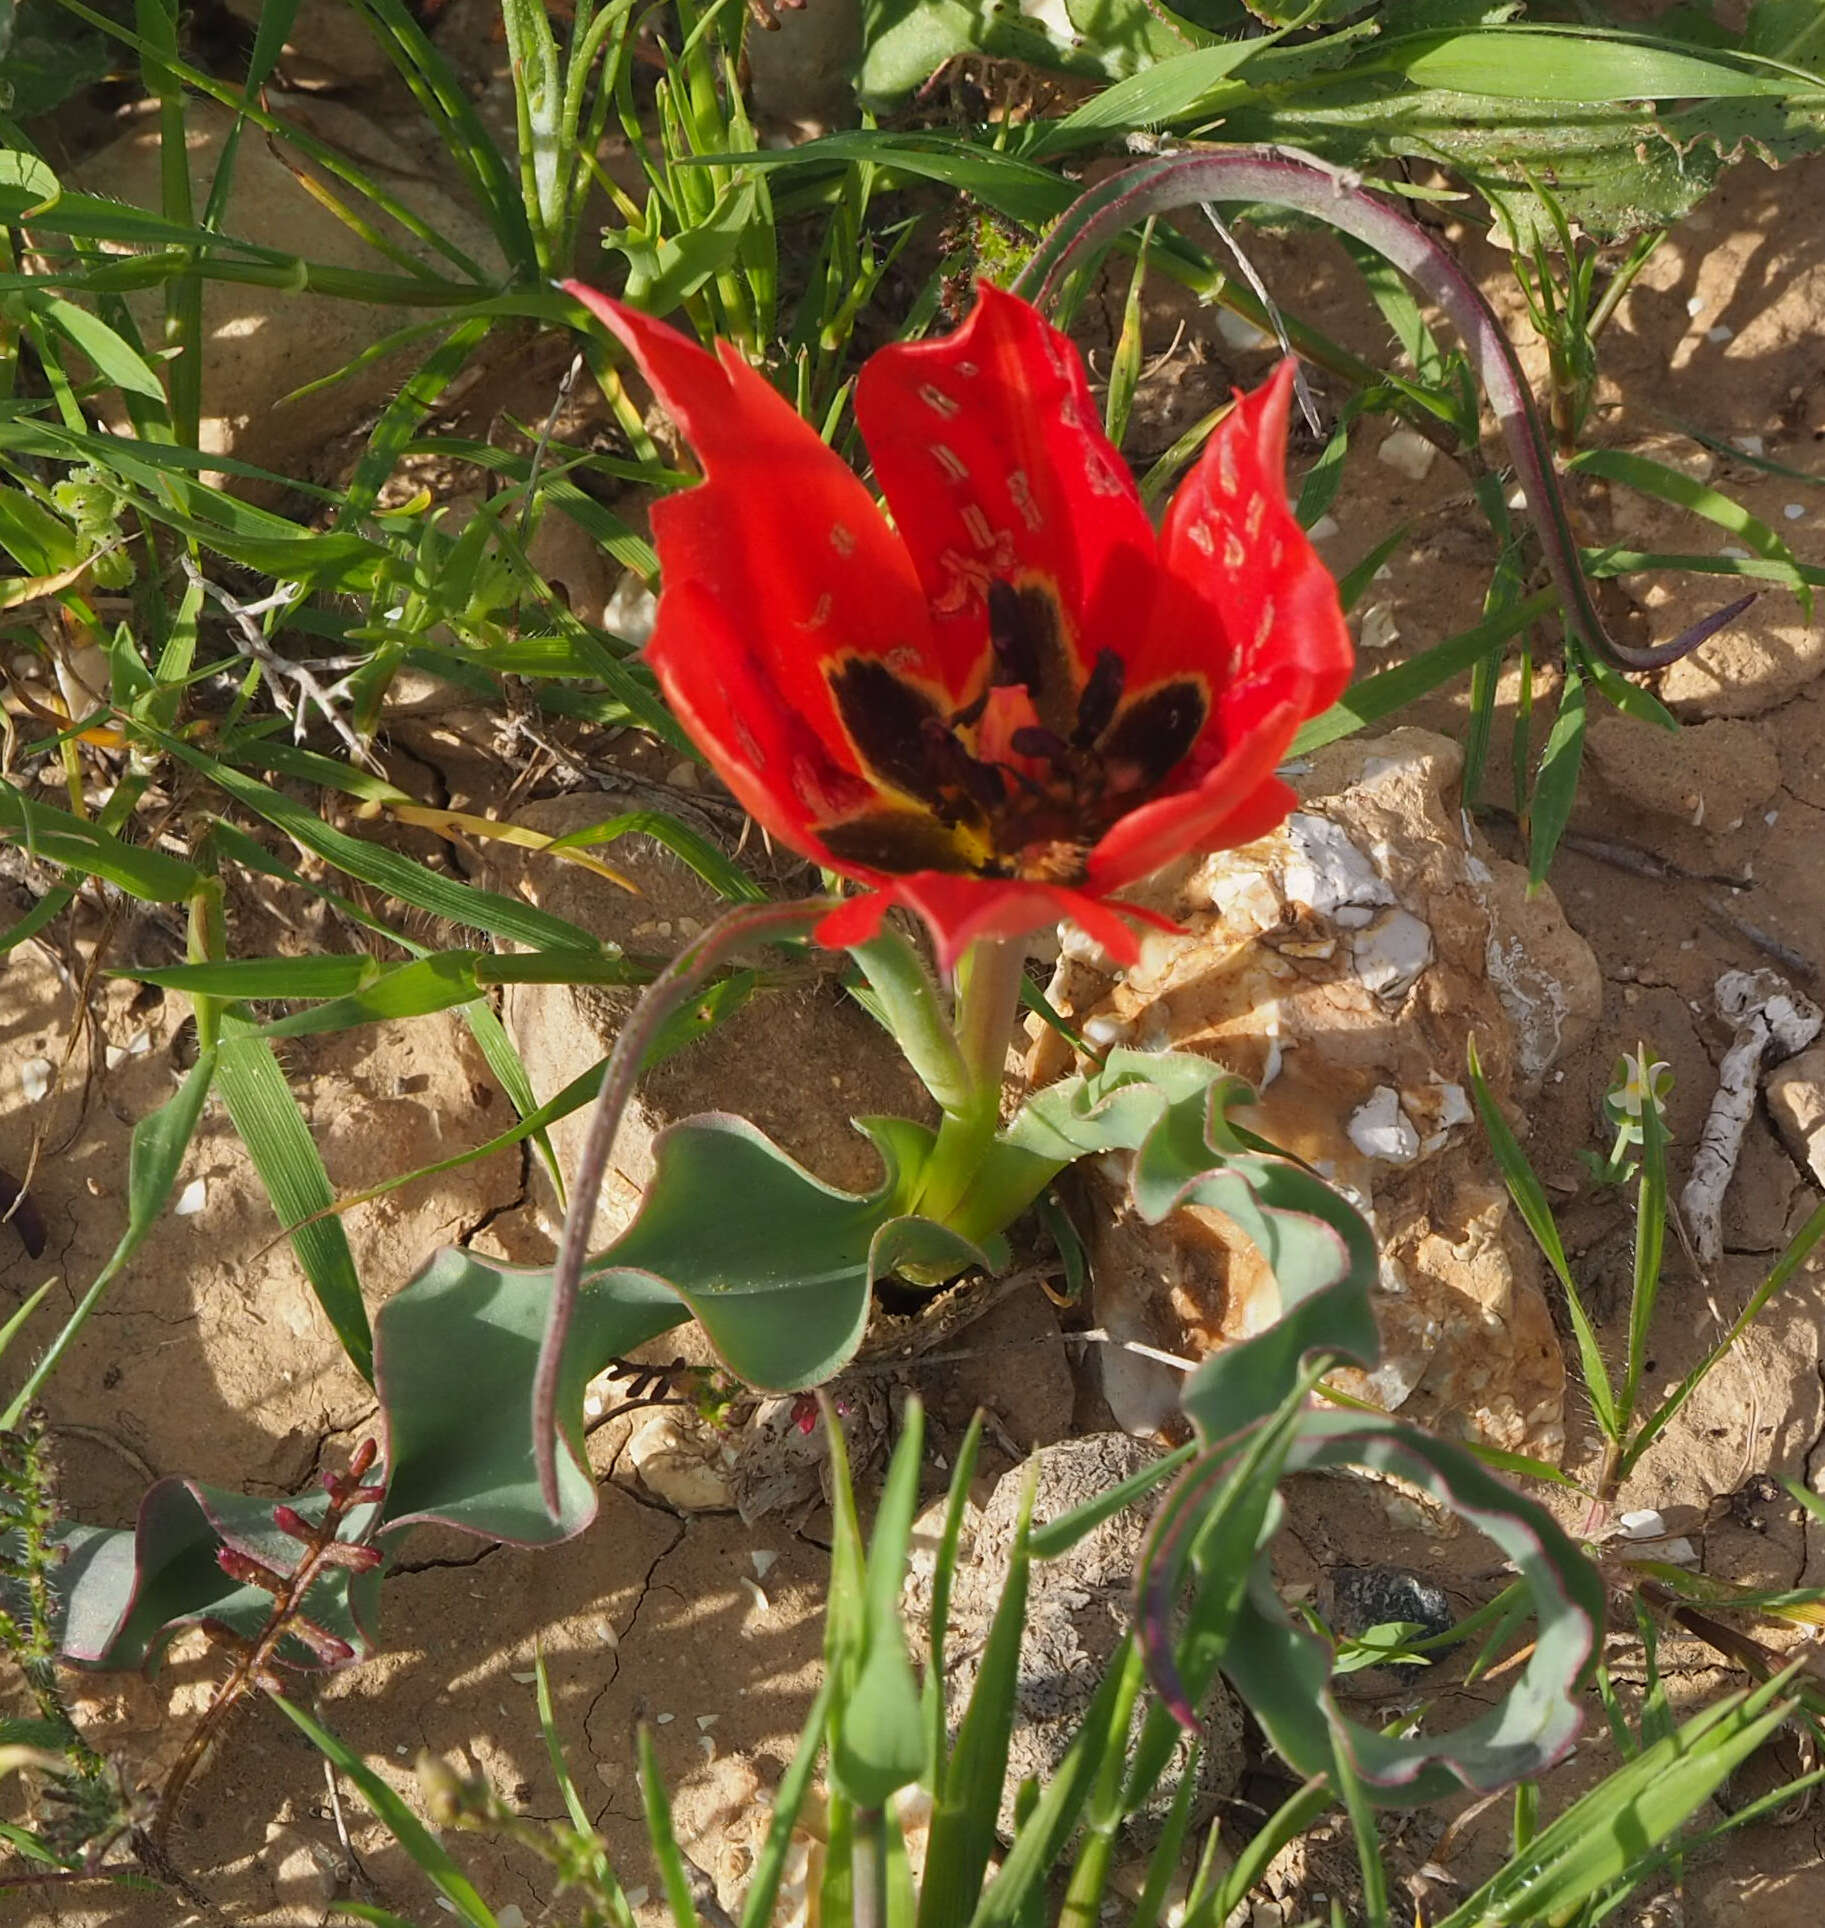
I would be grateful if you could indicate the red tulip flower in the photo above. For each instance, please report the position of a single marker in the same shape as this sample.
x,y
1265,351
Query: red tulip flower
x,y
1016,698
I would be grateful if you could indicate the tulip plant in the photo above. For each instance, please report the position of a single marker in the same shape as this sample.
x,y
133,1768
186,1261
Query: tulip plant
x,y
990,708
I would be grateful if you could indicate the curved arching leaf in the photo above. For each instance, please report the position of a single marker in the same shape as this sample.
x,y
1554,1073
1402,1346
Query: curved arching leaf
x,y
125,1592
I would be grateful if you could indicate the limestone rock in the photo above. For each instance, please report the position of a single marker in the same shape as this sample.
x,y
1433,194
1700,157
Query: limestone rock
x,y
1078,1608
680,1464
330,44
1341,965
800,1064
263,343
801,75
1796,1097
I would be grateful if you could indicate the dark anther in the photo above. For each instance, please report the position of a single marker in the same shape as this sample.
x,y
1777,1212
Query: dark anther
x,y
955,769
1016,648
887,720
1154,732
1026,633
1100,695
1033,740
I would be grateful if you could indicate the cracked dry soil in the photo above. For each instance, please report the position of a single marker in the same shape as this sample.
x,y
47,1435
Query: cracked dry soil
x,y
209,1358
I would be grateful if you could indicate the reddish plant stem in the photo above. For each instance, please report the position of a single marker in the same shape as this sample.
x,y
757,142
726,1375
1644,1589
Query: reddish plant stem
x,y
678,981
1340,198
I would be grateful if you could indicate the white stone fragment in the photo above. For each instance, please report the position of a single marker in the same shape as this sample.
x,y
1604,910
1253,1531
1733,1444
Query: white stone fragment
x,y
1392,952
675,1470
1719,332
35,1077
1380,1129
191,1199
1642,1524
632,610
1794,511
510,1915
1377,628
1408,453
1695,304
1325,528
1326,870
1237,331
1244,897
761,1558
1751,444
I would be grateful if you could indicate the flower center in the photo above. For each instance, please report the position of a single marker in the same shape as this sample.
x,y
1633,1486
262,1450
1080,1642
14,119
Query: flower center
x,y
1025,778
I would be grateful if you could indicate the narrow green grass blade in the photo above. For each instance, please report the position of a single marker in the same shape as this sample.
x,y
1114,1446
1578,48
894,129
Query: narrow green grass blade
x,y
157,1150
266,1115
387,1807
399,876
795,1784
599,1871
944,1574
1597,1840
1556,785
1666,484
1799,1248
1529,1195
1650,1239
961,1839
1391,689
661,1836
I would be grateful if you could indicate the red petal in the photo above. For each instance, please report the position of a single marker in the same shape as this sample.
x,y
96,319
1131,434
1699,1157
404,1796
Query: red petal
x,y
1236,802
989,449
959,910
779,539
1242,567
780,770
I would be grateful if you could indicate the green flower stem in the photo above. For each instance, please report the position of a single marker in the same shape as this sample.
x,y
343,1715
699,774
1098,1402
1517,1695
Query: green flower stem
x,y
987,1002
912,1011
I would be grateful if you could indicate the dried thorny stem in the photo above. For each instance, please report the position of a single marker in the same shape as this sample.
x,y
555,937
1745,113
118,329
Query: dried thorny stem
x,y
256,1666
251,641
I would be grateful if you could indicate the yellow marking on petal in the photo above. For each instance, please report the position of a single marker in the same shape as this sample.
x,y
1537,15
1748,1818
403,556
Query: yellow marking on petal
x,y
1227,478
1198,535
821,614
1020,493
951,462
1251,521
1275,550
1265,626
981,530
937,401
1235,552
841,540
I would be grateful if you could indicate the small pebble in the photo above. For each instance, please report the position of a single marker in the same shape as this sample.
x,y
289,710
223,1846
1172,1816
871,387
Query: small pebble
x,y
190,1200
1695,305
1237,331
1324,528
1720,333
1794,511
1407,453
1751,444
35,1079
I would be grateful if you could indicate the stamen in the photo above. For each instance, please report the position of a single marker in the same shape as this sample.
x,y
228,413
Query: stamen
x,y
1101,694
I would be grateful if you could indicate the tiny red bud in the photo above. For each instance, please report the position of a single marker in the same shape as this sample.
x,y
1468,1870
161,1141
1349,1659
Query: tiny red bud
x,y
249,1571
365,1455
288,1520
347,1553
330,1648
